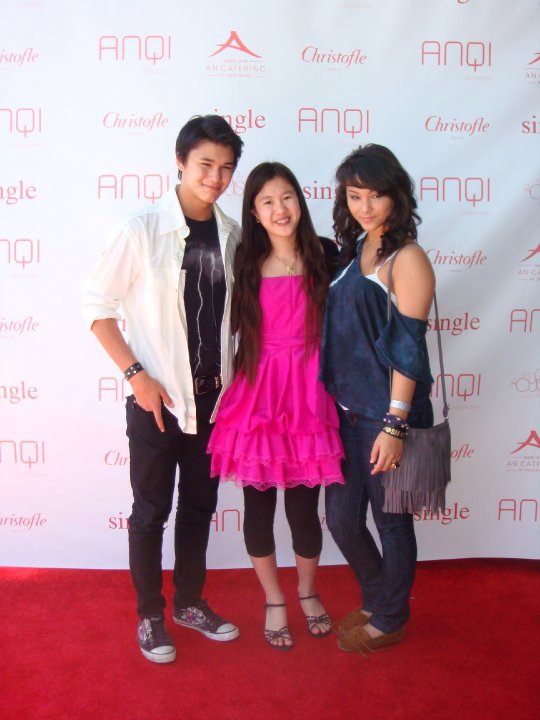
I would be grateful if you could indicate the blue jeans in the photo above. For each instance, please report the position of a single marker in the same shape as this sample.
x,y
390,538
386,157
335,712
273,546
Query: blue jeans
x,y
386,580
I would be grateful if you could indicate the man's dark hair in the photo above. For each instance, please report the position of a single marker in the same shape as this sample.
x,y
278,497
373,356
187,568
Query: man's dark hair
x,y
212,128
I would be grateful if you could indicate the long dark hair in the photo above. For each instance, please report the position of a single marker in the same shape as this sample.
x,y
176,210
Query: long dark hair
x,y
375,167
253,250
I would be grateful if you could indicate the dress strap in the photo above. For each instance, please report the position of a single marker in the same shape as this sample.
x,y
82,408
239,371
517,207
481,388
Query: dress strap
x,y
384,263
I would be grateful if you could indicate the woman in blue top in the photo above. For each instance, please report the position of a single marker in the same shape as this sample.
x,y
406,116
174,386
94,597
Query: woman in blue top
x,y
375,219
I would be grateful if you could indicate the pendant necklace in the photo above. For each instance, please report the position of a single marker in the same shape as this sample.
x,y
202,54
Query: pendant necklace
x,y
289,268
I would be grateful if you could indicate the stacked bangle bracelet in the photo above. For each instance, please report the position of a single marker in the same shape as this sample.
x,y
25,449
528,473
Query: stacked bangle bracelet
x,y
395,426
133,370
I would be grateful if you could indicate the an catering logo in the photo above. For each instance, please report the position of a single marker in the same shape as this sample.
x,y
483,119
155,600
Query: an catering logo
x,y
524,320
522,510
529,266
150,187
22,121
474,55
532,441
348,121
532,69
235,58
471,190
22,452
456,128
331,59
525,456
151,49
134,123
457,261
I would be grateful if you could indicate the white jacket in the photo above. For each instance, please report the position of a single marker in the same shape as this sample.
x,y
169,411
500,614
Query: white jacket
x,y
140,272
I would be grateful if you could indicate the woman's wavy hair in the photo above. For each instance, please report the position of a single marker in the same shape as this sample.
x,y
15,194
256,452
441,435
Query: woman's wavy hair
x,y
254,249
375,167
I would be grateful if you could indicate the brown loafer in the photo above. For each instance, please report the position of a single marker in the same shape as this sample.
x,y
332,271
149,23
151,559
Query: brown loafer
x,y
358,640
352,620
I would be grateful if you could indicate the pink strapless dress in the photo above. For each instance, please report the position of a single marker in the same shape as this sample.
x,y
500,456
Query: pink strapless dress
x,y
282,431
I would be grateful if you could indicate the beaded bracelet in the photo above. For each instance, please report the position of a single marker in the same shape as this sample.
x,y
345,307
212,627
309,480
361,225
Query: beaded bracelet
x,y
133,370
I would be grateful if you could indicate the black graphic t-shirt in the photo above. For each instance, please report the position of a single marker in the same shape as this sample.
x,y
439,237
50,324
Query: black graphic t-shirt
x,y
204,296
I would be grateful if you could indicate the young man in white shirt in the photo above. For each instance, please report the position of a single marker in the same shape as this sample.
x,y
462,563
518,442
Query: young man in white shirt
x,y
169,269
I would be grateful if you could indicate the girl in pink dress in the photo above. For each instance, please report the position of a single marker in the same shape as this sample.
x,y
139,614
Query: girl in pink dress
x,y
276,426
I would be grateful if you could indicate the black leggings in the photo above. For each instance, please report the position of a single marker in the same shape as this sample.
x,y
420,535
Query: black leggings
x,y
302,511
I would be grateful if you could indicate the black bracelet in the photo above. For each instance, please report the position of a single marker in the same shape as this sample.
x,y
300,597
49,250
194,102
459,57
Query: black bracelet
x,y
394,432
133,370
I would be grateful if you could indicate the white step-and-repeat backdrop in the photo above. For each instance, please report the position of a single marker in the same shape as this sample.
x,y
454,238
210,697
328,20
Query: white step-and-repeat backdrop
x,y
93,94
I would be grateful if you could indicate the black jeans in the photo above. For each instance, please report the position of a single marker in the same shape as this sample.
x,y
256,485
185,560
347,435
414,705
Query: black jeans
x,y
154,457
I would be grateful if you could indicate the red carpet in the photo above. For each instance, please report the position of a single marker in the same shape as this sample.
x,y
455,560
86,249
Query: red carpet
x,y
471,651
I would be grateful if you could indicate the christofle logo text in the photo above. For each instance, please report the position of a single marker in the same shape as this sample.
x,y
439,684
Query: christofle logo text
x,y
18,327
334,60
351,121
436,124
113,120
145,48
457,261
18,58
18,523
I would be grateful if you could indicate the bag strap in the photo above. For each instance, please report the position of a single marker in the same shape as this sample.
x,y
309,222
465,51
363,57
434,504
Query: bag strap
x,y
439,342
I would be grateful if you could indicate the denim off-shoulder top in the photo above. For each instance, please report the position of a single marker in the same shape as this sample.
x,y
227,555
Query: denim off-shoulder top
x,y
359,345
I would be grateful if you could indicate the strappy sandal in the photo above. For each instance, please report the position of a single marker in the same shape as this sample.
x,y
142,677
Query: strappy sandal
x,y
313,620
284,632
